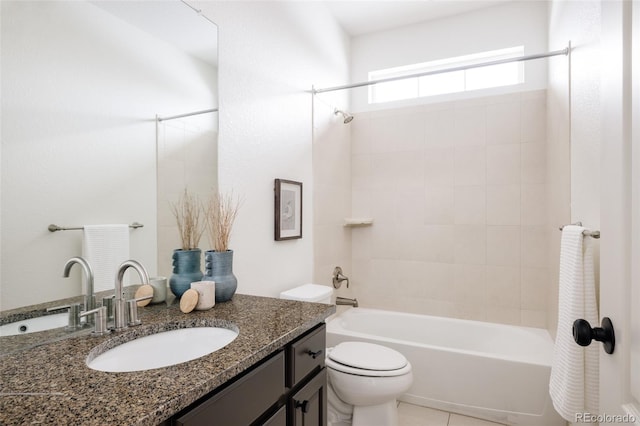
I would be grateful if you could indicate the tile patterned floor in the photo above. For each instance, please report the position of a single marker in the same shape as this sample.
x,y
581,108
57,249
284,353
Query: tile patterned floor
x,y
414,415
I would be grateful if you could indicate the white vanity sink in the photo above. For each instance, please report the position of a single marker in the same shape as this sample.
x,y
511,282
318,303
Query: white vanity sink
x,y
33,325
163,349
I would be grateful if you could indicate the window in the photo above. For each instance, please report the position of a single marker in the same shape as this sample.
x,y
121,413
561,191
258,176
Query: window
x,y
448,82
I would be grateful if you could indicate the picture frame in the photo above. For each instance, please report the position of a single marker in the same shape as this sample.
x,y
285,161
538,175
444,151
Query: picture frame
x,y
288,210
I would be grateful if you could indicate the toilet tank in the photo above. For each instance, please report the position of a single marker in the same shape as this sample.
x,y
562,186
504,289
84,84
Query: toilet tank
x,y
309,293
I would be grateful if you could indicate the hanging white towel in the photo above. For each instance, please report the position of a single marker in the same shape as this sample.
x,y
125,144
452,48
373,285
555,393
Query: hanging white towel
x,y
574,373
105,247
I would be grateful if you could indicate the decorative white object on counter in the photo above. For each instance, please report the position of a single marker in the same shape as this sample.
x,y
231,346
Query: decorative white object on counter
x,y
159,285
206,294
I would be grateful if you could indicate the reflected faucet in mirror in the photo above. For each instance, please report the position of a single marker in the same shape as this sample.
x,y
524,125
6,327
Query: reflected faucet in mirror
x,y
89,297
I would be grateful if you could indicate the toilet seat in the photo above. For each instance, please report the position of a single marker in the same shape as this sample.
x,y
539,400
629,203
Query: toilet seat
x,y
367,359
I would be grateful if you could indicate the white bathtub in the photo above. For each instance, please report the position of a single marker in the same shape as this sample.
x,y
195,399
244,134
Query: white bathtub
x,y
490,371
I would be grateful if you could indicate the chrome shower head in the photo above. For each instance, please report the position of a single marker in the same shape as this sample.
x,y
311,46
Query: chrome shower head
x,y
345,115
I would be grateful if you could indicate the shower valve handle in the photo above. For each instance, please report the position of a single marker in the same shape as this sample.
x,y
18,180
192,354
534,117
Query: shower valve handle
x,y
583,333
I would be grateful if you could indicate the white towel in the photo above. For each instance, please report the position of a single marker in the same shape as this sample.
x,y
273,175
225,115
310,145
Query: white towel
x,y
574,373
105,247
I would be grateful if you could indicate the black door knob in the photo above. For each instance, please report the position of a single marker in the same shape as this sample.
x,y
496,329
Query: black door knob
x,y
583,334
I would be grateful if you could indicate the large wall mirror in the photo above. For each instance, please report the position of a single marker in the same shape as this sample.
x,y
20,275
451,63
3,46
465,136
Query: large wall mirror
x,y
82,85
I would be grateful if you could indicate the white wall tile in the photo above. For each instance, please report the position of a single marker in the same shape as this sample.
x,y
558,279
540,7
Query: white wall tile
x,y
534,246
439,128
533,162
470,205
534,204
361,135
503,164
438,242
535,288
533,118
384,242
469,284
470,165
383,206
439,205
361,203
439,166
410,207
503,286
504,315
503,122
503,204
457,205
529,318
470,244
362,171
503,245
470,126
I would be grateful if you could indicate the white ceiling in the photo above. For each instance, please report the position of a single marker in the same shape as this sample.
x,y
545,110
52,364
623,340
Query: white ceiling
x,y
172,21
359,17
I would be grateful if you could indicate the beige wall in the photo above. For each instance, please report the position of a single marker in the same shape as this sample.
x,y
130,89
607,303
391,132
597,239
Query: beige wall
x,y
458,195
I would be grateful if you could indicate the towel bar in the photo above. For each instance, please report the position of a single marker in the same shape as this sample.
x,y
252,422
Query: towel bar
x,y
54,228
592,234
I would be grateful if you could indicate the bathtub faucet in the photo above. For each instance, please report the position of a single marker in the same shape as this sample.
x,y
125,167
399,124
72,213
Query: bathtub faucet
x,y
339,277
346,301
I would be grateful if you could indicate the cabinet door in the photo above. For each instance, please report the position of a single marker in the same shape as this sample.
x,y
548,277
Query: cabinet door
x,y
278,419
242,402
308,406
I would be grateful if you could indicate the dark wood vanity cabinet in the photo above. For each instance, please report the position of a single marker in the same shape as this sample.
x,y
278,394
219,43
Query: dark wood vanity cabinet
x,y
288,388
308,406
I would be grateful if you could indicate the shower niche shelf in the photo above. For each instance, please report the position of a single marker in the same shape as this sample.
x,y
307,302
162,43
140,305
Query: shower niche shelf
x,y
356,222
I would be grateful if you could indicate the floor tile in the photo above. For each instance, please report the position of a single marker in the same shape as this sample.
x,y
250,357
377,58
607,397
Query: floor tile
x,y
458,420
414,415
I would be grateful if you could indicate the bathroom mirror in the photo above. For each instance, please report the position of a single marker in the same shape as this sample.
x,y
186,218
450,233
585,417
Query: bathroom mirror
x,y
82,84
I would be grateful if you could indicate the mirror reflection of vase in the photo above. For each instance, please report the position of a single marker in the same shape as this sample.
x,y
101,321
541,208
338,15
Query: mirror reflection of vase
x,y
219,268
186,269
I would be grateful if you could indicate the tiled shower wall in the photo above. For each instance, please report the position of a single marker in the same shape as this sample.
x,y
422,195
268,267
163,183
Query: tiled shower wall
x,y
458,195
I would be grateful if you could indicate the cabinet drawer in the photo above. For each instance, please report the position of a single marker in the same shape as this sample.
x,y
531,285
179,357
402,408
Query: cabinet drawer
x,y
306,355
245,400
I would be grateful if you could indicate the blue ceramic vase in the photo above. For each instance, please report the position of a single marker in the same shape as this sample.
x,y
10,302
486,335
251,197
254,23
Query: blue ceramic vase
x,y
186,269
219,268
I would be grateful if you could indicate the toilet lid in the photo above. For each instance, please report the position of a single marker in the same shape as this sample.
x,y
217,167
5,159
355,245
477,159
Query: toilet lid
x,y
367,356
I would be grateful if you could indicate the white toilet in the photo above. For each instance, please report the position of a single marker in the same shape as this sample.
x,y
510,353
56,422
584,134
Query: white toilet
x,y
364,378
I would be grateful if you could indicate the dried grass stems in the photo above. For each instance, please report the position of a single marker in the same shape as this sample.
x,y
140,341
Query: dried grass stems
x,y
221,212
188,216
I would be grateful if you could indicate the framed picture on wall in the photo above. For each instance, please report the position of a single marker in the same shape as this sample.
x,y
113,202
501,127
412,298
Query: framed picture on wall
x,y
288,210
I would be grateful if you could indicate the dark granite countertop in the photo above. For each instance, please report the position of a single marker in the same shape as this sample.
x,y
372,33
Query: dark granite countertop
x,y
51,384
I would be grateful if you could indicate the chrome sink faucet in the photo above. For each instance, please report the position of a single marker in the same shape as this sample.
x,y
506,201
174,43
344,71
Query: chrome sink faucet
x,y
119,303
89,297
